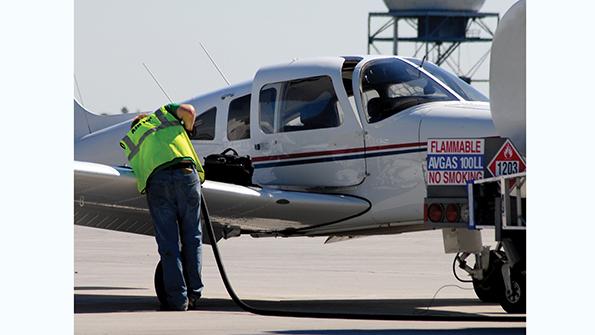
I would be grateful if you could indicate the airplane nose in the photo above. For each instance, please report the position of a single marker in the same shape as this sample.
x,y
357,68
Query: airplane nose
x,y
457,120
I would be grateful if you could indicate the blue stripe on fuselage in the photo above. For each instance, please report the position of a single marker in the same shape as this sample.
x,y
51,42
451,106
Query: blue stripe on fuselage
x,y
336,158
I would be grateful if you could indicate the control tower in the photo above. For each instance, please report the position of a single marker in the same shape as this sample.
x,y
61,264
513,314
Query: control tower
x,y
434,29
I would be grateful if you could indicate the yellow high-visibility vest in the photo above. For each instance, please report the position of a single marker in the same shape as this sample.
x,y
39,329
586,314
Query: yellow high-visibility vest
x,y
158,140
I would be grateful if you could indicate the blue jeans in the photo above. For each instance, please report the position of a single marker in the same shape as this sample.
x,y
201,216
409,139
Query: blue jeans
x,y
173,196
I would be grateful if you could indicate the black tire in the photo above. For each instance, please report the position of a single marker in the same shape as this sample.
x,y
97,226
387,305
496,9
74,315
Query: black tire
x,y
159,285
515,303
486,291
490,287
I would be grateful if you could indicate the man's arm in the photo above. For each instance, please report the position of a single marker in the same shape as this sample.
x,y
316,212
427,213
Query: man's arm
x,y
187,114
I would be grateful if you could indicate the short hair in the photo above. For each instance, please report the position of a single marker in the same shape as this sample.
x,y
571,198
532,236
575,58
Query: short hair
x,y
137,119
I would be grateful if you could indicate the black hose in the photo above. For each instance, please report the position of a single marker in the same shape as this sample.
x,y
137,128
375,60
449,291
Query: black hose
x,y
330,315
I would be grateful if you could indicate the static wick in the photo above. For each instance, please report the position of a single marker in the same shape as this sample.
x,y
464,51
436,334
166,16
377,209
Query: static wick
x,y
214,64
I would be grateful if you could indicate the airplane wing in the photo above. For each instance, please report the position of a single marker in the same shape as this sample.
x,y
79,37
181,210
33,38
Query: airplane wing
x,y
106,197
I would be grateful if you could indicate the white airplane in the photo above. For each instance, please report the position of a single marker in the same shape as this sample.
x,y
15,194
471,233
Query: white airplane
x,y
338,146
327,162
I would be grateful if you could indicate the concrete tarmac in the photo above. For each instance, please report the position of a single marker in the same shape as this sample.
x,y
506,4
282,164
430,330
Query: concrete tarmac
x,y
405,274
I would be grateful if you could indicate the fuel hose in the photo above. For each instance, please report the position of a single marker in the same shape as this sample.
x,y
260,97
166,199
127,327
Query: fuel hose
x,y
335,315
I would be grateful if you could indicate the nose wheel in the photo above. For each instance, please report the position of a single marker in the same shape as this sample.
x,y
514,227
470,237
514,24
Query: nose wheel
x,y
501,283
490,286
160,284
514,299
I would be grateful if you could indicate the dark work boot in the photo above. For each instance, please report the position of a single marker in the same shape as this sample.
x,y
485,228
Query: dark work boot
x,y
193,301
182,308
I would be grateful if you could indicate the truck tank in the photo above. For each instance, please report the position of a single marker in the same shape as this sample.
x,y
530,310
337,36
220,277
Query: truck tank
x,y
507,76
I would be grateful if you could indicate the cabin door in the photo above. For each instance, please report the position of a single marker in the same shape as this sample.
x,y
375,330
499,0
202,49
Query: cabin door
x,y
305,132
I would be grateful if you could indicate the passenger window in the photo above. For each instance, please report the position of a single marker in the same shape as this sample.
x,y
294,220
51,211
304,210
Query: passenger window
x,y
204,126
303,104
238,119
268,97
309,104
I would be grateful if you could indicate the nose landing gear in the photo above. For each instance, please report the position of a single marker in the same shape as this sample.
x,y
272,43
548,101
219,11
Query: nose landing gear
x,y
159,285
499,280
488,288
514,299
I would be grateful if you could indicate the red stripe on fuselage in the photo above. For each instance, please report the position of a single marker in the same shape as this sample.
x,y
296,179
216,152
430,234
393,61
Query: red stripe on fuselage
x,y
335,152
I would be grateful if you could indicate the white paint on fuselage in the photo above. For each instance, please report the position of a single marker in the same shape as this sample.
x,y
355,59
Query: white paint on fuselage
x,y
390,177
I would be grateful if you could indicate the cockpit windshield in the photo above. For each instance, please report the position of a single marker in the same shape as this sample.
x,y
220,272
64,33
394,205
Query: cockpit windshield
x,y
390,86
463,89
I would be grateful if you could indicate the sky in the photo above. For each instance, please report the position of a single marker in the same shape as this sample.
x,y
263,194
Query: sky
x,y
113,38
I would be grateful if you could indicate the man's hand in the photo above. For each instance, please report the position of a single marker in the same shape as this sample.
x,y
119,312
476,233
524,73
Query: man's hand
x,y
187,114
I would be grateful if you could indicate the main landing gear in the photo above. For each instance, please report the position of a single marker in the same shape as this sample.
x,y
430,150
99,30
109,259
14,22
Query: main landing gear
x,y
159,284
499,276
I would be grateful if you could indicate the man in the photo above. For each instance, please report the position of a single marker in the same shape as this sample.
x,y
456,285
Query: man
x,y
168,170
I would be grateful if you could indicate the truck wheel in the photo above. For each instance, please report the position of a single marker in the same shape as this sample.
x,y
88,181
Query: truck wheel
x,y
516,301
490,287
159,284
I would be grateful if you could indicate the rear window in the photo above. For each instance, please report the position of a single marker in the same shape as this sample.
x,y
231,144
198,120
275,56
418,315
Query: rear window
x,y
238,119
204,126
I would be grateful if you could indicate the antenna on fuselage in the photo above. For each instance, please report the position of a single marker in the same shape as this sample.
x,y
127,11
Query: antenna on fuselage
x,y
157,82
214,64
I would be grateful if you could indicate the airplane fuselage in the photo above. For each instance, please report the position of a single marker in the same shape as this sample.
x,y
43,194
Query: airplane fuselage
x,y
356,126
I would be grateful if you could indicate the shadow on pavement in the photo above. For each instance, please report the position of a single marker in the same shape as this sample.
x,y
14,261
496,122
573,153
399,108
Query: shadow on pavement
x,y
463,331
97,288
101,303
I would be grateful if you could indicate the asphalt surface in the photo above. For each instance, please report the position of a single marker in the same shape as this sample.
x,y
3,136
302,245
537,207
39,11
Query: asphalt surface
x,y
404,274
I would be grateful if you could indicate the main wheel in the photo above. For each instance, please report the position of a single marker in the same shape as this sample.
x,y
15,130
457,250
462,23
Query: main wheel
x,y
490,287
159,284
516,301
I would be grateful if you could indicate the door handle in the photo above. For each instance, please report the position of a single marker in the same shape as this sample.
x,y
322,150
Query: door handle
x,y
262,146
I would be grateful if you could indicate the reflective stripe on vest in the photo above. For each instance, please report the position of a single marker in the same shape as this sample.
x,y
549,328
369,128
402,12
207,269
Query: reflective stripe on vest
x,y
165,123
169,141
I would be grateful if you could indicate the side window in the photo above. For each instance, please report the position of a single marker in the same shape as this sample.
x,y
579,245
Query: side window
x,y
268,97
238,119
297,105
204,126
